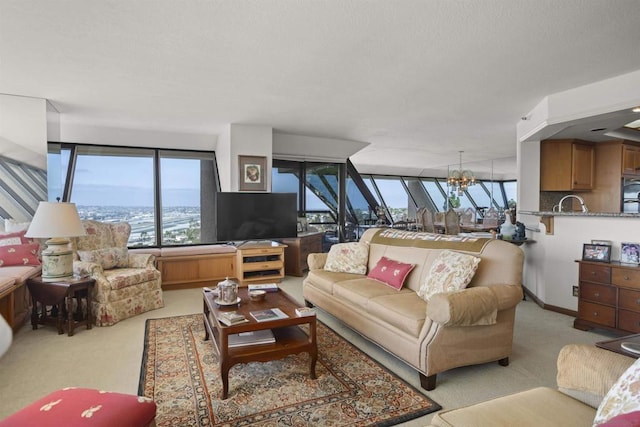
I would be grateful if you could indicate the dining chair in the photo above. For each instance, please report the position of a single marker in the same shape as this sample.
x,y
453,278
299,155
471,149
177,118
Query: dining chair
x,y
468,217
451,222
427,221
490,217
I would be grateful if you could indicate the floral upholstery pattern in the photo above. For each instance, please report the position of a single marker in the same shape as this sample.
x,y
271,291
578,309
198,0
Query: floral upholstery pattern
x,y
132,286
623,397
348,258
451,271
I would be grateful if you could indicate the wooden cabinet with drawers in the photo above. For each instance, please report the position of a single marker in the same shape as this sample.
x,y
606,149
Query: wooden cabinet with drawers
x,y
609,297
260,263
297,251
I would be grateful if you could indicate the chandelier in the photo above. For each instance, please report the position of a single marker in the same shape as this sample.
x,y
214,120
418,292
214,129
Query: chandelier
x,y
460,179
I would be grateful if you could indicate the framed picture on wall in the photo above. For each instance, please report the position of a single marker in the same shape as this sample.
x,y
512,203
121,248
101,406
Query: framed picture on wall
x,y
598,253
253,173
630,253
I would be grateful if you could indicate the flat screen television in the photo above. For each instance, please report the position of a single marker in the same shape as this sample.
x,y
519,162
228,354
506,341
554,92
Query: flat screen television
x,y
246,216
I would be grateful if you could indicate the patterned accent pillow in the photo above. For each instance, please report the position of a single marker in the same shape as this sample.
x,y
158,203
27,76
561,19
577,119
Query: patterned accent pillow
x,y
623,397
390,272
26,254
16,238
108,258
348,258
451,271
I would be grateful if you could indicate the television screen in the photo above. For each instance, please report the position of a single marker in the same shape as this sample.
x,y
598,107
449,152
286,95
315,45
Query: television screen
x,y
256,216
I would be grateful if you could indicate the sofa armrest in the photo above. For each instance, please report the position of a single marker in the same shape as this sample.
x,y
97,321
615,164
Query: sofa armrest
x,y
473,306
586,372
137,260
317,261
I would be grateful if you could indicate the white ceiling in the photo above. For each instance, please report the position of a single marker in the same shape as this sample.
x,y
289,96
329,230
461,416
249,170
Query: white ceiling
x,y
417,80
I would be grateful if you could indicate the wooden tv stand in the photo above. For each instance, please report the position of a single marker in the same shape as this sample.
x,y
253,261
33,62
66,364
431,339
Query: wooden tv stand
x,y
260,263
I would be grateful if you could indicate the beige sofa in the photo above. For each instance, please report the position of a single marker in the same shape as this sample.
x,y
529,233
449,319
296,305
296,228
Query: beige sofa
x,y
585,375
463,328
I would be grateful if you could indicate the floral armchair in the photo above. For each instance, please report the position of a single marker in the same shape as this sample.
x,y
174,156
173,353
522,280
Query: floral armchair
x,y
127,284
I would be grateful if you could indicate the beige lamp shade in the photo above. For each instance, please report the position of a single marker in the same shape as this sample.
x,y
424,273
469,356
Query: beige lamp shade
x,y
56,221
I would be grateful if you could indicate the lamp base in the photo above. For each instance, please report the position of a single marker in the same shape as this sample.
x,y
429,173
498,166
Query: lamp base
x,y
57,260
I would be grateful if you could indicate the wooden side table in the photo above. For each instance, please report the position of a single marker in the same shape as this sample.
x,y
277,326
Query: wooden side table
x,y
615,345
59,296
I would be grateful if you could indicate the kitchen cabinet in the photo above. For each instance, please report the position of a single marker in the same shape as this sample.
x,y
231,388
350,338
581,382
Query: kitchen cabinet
x,y
609,297
567,165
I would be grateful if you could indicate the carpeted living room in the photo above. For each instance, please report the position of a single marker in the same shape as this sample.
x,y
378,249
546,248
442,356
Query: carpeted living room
x,y
111,358
319,213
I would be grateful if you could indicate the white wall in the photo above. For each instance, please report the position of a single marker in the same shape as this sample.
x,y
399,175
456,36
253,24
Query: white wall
x,y
550,268
310,148
23,129
249,140
87,133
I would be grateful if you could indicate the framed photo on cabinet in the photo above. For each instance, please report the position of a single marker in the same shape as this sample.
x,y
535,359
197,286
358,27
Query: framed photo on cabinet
x,y
598,253
630,253
253,173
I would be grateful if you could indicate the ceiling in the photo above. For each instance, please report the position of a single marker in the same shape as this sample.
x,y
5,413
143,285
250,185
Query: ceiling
x,y
418,81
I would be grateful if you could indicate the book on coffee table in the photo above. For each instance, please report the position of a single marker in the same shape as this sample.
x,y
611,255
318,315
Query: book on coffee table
x,y
264,336
268,314
231,318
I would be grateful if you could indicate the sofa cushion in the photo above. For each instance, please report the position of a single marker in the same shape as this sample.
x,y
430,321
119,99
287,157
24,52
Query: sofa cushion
x,y
391,272
120,278
450,271
520,409
360,291
348,258
26,254
15,238
108,258
405,310
324,280
11,225
623,397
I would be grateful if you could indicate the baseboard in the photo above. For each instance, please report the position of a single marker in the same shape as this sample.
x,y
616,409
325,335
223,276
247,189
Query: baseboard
x,y
549,307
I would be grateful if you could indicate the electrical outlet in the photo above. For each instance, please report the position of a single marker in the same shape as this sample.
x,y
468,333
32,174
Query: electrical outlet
x,y
575,291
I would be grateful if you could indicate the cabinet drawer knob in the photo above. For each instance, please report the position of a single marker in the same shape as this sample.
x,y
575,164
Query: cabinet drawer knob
x,y
593,273
595,314
597,295
638,301
627,278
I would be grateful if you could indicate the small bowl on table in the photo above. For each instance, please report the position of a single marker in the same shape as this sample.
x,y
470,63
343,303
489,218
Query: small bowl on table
x,y
257,295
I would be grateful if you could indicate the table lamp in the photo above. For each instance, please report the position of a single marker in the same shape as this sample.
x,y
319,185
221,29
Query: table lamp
x,y
57,222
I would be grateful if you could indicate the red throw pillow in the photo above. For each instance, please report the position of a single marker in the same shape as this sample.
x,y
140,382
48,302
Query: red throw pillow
x,y
16,238
19,255
390,272
630,419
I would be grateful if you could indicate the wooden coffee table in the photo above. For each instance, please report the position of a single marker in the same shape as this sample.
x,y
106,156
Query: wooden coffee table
x,y
290,338
615,345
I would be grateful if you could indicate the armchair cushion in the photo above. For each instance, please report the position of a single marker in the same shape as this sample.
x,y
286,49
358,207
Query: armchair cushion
x,y
107,257
123,277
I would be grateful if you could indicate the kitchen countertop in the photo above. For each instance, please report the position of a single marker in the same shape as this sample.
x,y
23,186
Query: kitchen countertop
x,y
578,213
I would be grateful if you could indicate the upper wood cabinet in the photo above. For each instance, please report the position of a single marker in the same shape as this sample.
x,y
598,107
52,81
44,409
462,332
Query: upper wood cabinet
x,y
566,165
630,159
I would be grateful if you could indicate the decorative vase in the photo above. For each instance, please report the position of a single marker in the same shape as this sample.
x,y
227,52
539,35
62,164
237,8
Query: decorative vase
x,y
507,229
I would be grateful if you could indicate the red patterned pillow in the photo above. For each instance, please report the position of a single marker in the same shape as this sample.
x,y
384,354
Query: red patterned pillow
x,y
390,272
631,419
16,238
19,255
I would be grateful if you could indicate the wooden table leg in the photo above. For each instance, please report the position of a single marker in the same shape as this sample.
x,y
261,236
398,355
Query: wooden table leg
x,y
60,321
89,311
34,313
70,320
313,353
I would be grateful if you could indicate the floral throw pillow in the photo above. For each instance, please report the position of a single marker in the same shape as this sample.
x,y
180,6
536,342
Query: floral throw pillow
x,y
451,271
348,258
108,258
622,398
26,254
391,272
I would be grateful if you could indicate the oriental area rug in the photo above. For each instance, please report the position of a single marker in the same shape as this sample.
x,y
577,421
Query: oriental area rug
x,y
180,372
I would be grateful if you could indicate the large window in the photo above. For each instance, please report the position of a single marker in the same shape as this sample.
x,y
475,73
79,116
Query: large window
x,y
166,195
